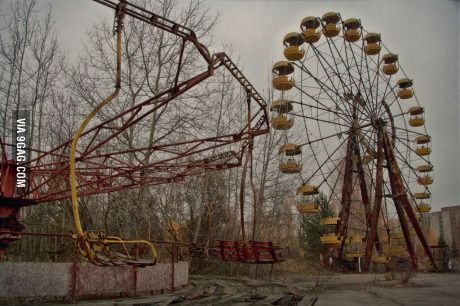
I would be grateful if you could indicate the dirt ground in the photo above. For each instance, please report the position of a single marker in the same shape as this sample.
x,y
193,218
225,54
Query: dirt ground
x,y
337,289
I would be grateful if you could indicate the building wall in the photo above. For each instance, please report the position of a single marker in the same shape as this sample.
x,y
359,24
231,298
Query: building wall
x,y
446,228
26,282
436,225
446,223
453,220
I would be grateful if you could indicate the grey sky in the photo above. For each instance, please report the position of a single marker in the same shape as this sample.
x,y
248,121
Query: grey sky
x,y
425,34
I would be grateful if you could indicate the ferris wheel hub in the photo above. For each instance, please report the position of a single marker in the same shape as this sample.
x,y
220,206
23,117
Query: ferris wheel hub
x,y
379,123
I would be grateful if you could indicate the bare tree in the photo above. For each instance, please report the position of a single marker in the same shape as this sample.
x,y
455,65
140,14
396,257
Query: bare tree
x,y
31,65
150,60
31,62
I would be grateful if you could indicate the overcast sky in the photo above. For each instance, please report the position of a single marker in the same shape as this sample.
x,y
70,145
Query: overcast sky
x,y
425,34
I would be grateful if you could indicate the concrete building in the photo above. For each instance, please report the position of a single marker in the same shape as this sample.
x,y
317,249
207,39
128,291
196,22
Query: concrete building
x,y
436,226
446,224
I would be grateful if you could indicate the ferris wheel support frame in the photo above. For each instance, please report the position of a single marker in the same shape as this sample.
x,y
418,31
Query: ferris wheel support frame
x,y
401,200
377,205
366,200
342,226
353,149
402,204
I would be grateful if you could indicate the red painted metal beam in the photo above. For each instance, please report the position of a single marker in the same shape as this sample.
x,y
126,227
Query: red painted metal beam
x,y
372,232
107,172
402,204
57,169
365,195
347,190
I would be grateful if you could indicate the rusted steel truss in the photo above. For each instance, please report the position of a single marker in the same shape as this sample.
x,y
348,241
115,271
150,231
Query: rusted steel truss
x,y
102,168
106,171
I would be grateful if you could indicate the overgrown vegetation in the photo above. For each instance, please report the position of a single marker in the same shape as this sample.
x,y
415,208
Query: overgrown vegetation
x,y
311,228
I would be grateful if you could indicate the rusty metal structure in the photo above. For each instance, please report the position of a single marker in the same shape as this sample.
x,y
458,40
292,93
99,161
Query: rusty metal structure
x,y
102,167
365,137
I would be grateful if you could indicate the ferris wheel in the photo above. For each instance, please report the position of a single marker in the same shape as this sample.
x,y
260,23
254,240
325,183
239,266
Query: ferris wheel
x,y
347,108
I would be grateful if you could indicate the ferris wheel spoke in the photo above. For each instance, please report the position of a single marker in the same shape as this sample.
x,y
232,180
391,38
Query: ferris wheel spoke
x,y
325,148
329,42
381,97
328,159
375,72
326,89
405,161
326,177
407,186
345,63
335,184
317,119
410,131
329,110
347,67
401,114
314,155
322,106
385,95
321,58
309,142
359,67
373,101
377,80
392,95
325,108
